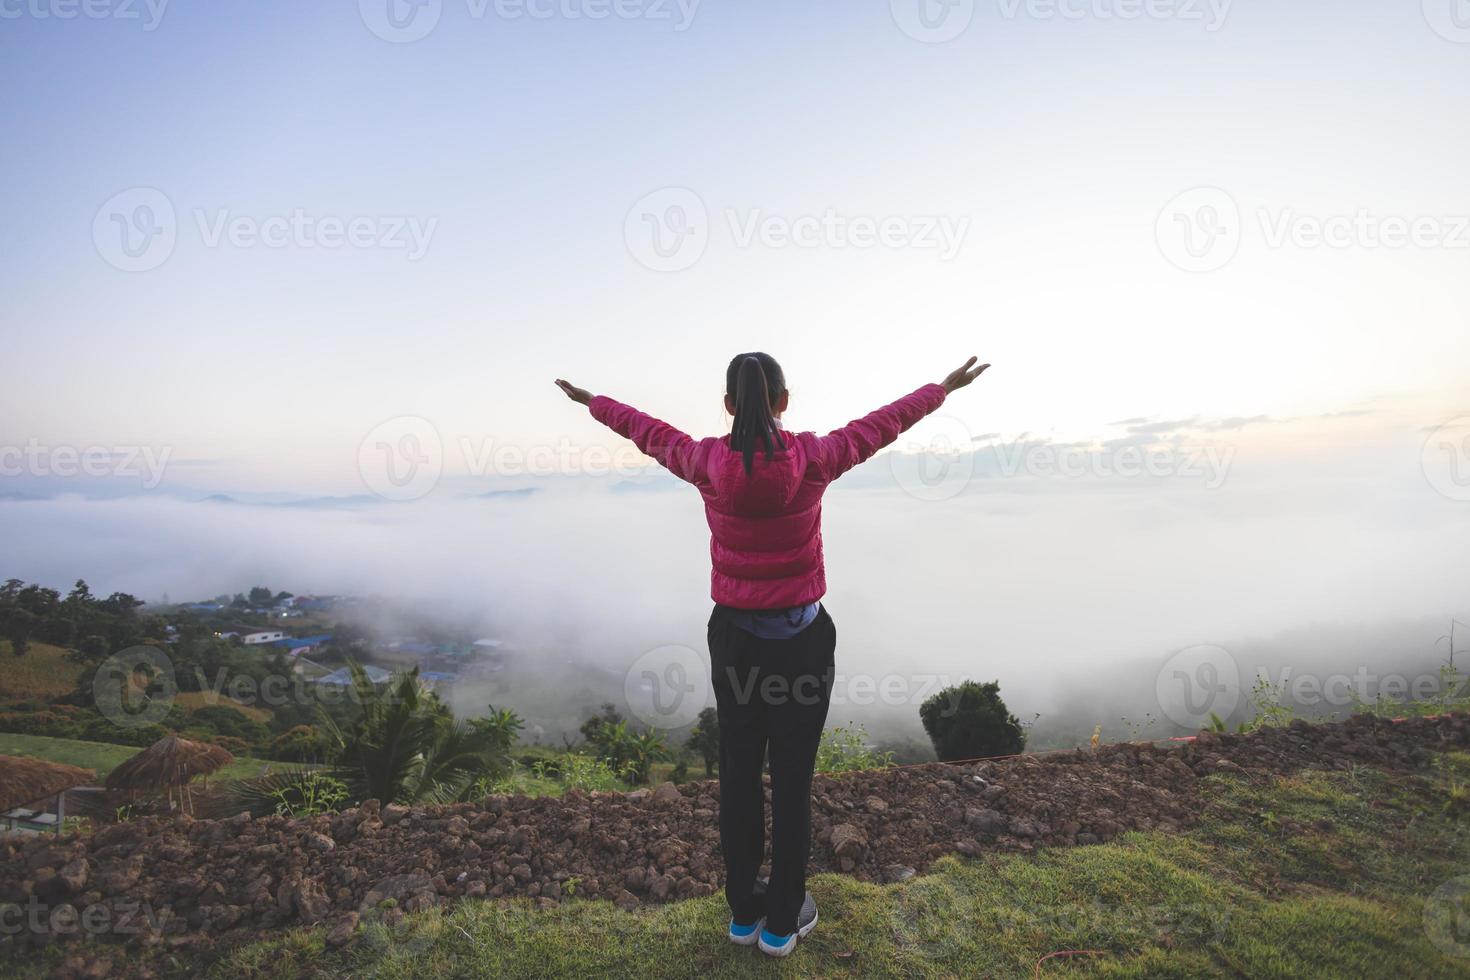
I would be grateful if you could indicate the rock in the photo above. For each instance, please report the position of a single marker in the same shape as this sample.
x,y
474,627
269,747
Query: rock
x,y
848,841
985,820
1026,827
457,827
666,793
876,804
74,874
895,873
393,814
320,843
670,852
410,892
310,901
344,927
625,900
45,857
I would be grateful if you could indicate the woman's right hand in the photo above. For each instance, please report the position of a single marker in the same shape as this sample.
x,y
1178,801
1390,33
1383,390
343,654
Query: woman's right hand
x,y
963,375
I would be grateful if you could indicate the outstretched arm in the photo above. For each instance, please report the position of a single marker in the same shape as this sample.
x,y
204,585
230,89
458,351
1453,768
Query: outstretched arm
x,y
853,443
669,447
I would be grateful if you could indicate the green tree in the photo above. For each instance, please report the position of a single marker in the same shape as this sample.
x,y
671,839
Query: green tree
x,y
592,728
971,722
705,739
19,628
92,650
261,596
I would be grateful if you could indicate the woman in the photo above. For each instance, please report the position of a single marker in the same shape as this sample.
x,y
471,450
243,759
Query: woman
x,y
771,641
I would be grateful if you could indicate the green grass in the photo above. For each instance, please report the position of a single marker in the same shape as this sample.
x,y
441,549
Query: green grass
x,y
44,672
102,756
1317,875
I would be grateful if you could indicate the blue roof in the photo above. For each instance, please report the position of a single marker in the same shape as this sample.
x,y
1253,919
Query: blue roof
x,y
343,677
294,643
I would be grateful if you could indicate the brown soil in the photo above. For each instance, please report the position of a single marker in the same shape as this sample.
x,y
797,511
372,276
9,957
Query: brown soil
x,y
186,883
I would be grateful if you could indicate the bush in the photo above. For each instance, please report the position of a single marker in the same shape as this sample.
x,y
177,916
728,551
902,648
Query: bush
x,y
971,722
231,744
222,720
846,750
48,723
301,744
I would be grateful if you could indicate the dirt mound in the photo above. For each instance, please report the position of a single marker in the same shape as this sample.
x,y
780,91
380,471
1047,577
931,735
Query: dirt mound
x,y
183,882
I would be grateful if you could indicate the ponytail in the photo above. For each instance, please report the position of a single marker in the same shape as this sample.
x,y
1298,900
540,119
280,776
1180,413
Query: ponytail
x,y
754,383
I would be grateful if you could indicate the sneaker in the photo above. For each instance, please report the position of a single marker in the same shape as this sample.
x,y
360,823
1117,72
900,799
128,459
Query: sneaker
x,y
747,935
806,921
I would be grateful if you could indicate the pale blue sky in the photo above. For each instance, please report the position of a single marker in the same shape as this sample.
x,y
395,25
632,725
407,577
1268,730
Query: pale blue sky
x,y
524,144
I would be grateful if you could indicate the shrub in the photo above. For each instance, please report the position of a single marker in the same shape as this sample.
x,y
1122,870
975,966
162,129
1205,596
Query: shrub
x,y
302,743
48,723
223,720
231,744
971,722
846,750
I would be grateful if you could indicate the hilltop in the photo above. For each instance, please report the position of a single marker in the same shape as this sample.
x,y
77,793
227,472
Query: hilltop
x,y
209,886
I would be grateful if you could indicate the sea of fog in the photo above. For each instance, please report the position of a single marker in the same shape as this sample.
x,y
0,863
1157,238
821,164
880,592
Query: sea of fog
x,y
1073,590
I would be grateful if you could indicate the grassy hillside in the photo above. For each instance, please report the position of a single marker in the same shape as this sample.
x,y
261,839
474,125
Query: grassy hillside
x,y
194,700
102,756
44,672
1317,875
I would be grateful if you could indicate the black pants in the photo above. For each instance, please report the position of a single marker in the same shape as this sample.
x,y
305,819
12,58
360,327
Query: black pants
x,y
776,693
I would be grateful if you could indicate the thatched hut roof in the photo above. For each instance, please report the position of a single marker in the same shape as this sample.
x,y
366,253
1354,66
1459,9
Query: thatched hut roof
x,y
168,762
25,781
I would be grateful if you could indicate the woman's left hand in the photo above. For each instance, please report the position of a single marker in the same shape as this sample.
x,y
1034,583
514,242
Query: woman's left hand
x,y
579,395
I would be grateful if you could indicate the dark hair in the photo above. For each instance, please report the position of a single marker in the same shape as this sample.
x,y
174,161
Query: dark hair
x,y
754,383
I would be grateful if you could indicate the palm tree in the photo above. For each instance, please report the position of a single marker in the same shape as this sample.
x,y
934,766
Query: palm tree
x,y
404,746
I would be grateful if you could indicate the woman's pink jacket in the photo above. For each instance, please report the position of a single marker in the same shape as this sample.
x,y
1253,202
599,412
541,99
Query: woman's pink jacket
x,y
766,527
